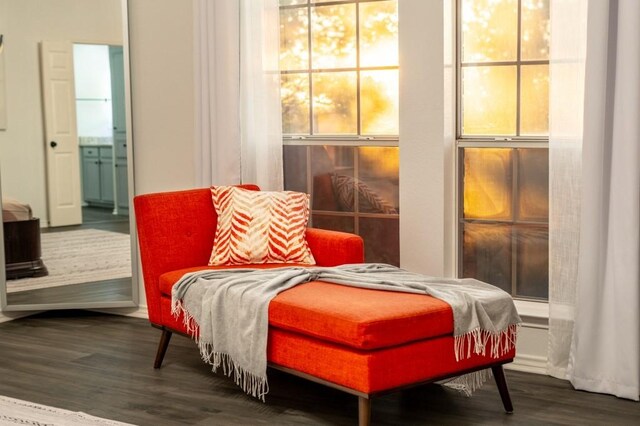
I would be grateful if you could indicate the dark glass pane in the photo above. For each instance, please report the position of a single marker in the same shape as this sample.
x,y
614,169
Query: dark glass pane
x,y
377,186
486,254
335,223
295,168
332,168
487,183
533,262
381,240
533,184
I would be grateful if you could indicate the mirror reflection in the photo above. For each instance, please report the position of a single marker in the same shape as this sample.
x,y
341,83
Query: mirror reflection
x,y
64,155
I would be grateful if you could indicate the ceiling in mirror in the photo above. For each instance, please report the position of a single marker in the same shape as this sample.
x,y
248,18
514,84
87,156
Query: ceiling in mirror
x,y
65,151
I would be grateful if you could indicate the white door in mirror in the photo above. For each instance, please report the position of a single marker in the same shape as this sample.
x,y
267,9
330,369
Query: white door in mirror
x,y
61,134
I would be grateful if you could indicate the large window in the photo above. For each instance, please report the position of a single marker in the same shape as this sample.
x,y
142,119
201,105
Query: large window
x,y
339,87
503,80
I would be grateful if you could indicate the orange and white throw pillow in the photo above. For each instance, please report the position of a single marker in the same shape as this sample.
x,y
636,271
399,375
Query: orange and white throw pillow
x,y
260,227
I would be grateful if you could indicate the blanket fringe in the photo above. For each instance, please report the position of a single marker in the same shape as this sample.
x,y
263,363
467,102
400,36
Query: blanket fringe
x,y
253,385
469,383
478,340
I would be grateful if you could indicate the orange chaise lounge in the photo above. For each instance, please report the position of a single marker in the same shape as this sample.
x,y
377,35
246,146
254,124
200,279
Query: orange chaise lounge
x,y
364,342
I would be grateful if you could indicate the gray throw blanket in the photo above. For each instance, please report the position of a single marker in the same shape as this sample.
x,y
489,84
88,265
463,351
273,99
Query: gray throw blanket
x,y
227,312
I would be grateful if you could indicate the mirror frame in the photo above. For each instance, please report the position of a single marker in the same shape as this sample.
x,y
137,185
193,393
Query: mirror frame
x,y
135,287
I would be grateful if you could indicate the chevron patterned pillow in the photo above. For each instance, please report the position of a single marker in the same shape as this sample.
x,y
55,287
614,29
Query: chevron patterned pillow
x,y
260,227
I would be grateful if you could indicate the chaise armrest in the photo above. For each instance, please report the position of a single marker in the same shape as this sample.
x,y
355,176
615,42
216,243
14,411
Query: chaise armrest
x,y
332,248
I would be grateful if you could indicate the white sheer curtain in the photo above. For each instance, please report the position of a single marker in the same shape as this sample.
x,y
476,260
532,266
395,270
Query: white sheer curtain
x,y
260,108
238,119
595,175
217,90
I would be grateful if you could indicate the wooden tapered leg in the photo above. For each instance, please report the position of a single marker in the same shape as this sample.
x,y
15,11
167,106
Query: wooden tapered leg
x,y
162,347
364,411
501,381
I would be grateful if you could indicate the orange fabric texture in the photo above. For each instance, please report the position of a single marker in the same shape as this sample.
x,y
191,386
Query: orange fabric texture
x,y
356,317
375,370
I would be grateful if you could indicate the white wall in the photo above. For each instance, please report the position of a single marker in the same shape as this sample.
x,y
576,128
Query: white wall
x,y
24,24
162,79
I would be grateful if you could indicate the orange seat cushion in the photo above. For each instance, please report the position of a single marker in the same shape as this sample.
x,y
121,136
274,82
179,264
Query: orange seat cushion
x,y
359,318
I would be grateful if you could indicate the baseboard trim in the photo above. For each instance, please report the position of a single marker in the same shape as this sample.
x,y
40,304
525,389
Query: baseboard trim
x,y
5,317
528,364
139,312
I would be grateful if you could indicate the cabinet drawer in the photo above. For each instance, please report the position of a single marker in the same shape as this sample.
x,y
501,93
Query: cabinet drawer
x,y
106,153
90,152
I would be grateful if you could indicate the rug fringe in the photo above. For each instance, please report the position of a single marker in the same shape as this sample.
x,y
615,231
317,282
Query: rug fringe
x,y
469,383
478,340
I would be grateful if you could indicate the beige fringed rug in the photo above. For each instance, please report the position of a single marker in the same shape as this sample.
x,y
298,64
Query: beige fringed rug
x,y
74,257
18,412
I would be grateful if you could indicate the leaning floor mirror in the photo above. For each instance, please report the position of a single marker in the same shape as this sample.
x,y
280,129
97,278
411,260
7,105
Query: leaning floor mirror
x,y
66,173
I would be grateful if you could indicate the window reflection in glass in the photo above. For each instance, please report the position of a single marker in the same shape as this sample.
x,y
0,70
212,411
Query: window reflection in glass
x,y
487,181
487,254
533,185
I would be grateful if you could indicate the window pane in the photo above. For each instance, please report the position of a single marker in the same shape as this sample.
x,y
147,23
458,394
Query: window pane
x,y
336,223
534,101
295,168
486,254
333,34
94,118
294,39
379,102
533,184
533,262
332,168
489,100
334,103
535,29
378,169
294,91
489,30
381,240
487,183
379,34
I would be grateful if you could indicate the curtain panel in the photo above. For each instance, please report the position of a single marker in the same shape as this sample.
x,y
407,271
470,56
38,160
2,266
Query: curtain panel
x,y
595,196
237,92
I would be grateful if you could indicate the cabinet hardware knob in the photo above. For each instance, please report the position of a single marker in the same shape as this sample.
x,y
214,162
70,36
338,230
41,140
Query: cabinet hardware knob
x,y
53,144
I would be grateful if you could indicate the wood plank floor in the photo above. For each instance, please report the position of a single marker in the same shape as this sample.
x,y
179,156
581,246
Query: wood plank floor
x,y
102,364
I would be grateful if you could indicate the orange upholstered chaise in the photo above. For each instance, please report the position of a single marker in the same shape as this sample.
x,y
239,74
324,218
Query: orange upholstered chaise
x,y
365,342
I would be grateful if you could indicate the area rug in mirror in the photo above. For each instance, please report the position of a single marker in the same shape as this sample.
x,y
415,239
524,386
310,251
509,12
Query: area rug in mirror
x,y
81,256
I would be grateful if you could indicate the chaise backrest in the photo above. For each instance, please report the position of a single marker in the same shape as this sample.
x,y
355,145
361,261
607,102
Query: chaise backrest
x,y
175,230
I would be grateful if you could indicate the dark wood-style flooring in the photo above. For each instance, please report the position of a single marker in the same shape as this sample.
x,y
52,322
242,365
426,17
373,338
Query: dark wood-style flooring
x,y
102,365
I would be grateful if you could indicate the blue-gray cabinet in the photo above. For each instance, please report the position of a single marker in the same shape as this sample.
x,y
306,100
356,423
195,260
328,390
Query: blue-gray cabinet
x,y
97,175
